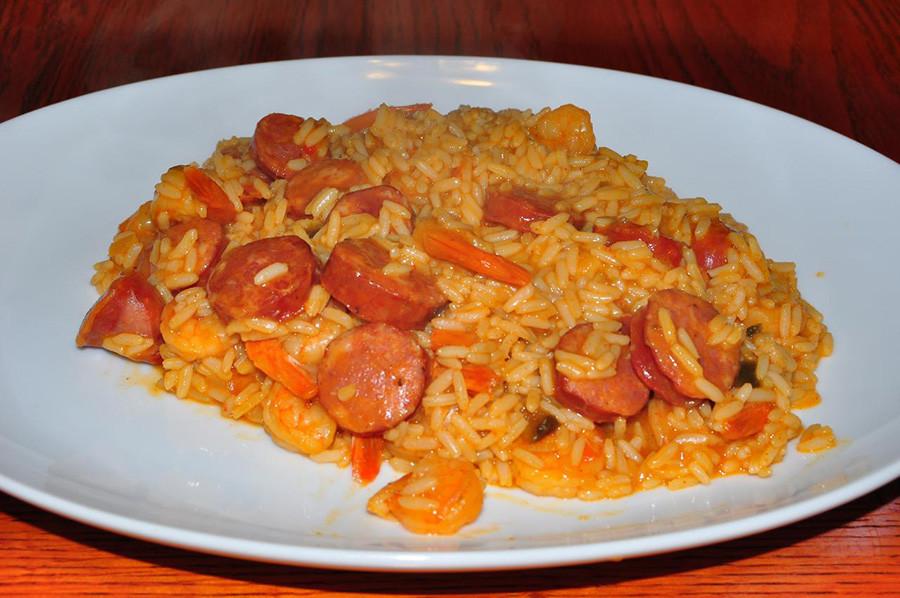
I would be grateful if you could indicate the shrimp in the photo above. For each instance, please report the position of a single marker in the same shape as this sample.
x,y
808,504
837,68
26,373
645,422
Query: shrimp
x,y
439,496
197,335
279,365
567,127
297,425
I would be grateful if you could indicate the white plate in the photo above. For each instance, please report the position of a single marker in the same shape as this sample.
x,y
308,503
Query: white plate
x,y
80,439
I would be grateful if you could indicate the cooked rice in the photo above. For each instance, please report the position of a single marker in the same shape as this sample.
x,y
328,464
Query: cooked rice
x,y
443,165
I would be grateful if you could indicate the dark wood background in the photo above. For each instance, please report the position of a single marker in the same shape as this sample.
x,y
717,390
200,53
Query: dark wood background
x,y
836,63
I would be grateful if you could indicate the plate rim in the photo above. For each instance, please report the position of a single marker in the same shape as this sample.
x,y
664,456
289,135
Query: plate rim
x,y
443,560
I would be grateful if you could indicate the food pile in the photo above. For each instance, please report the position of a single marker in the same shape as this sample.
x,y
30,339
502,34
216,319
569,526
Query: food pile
x,y
473,298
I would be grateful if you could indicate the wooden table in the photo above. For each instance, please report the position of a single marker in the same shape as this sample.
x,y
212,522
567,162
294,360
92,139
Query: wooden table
x,y
835,63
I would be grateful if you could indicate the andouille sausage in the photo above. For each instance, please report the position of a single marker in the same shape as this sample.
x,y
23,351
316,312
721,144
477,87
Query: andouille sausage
x,y
234,294
711,250
371,378
663,248
517,208
305,184
369,201
210,243
354,276
273,144
644,364
130,305
603,399
720,363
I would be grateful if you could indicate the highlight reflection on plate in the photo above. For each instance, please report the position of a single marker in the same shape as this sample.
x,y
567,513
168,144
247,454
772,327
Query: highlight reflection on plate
x,y
77,440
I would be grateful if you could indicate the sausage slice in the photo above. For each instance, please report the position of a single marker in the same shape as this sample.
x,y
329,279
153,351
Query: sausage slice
x,y
517,208
720,362
273,144
130,305
644,364
354,276
371,378
604,399
369,201
663,248
234,294
303,186
210,243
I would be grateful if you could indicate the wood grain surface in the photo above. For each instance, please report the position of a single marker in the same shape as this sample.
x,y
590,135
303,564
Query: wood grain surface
x,y
835,63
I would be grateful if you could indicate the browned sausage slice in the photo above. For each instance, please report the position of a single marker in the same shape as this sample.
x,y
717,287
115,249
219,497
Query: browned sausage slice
x,y
604,399
720,363
644,364
354,276
369,201
130,305
273,144
517,208
234,294
303,186
210,243
371,378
